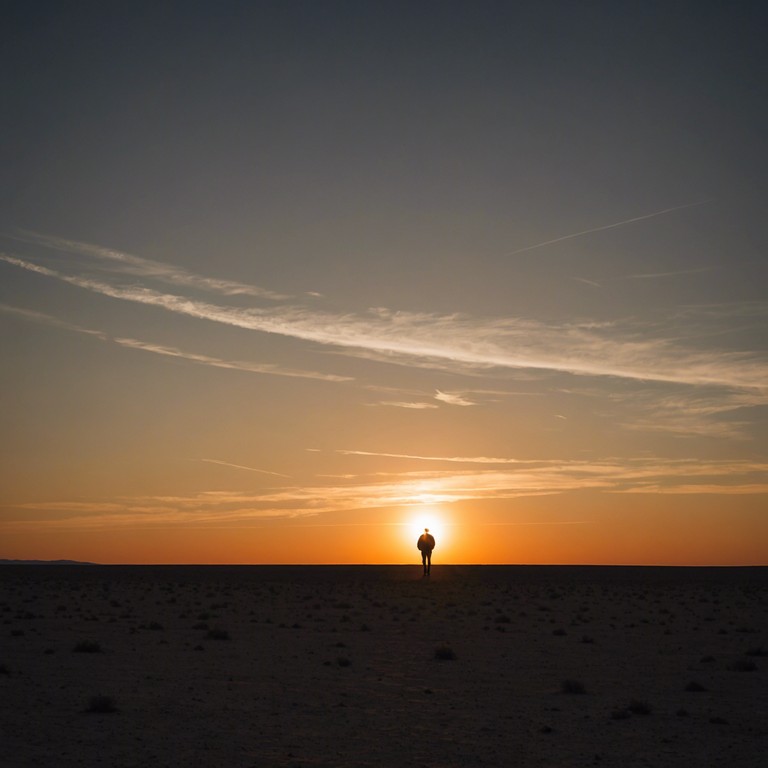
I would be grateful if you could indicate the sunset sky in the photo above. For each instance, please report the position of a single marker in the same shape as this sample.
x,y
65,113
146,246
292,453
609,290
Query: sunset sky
x,y
286,282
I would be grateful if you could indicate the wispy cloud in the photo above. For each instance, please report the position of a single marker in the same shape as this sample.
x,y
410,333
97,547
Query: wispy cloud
x,y
688,413
622,223
643,276
703,488
49,320
235,365
453,398
223,508
416,406
456,459
467,344
240,466
262,368
129,264
675,273
584,280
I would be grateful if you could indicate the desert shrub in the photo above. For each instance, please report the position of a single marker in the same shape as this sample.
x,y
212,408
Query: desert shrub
x,y
695,687
102,705
572,686
559,632
444,653
87,646
743,665
759,651
218,634
343,661
637,707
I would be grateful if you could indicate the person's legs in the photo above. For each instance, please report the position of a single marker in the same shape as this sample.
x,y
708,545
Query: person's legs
x,y
429,561
424,559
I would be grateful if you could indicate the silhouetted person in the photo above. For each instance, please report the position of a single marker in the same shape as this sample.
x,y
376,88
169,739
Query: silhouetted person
x,y
426,544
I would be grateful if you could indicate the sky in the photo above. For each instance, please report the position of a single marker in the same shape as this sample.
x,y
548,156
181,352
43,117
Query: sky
x,y
287,282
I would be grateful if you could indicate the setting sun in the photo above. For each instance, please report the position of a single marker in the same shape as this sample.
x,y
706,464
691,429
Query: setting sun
x,y
436,521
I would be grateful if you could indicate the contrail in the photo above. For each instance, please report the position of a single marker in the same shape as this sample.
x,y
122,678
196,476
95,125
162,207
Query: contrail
x,y
610,226
240,466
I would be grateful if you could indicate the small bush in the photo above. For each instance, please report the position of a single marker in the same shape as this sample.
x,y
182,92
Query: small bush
x,y
759,651
444,653
637,707
695,687
218,634
572,686
87,646
102,705
343,661
743,665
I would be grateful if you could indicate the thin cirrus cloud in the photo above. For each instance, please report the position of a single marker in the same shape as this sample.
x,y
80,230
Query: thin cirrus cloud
x,y
414,406
675,273
622,223
242,467
129,264
158,349
452,398
455,459
588,349
42,318
228,508
689,413
236,365
643,276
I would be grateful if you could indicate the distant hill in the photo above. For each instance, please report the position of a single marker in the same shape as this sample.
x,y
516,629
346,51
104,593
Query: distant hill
x,y
43,562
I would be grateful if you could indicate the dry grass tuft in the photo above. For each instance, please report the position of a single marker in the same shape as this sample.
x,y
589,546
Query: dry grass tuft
x,y
444,653
102,705
572,686
87,646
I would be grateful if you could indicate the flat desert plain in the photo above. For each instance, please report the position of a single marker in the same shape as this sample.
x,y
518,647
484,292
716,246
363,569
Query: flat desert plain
x,y
377,666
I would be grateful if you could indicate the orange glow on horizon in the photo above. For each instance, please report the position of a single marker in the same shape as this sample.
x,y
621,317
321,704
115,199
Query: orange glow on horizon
x,y
577,529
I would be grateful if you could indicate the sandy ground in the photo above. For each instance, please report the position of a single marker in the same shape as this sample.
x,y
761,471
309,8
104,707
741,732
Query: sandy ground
x,y
338,666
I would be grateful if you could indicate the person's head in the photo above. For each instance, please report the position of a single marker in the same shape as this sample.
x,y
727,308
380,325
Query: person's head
x,y
426,530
